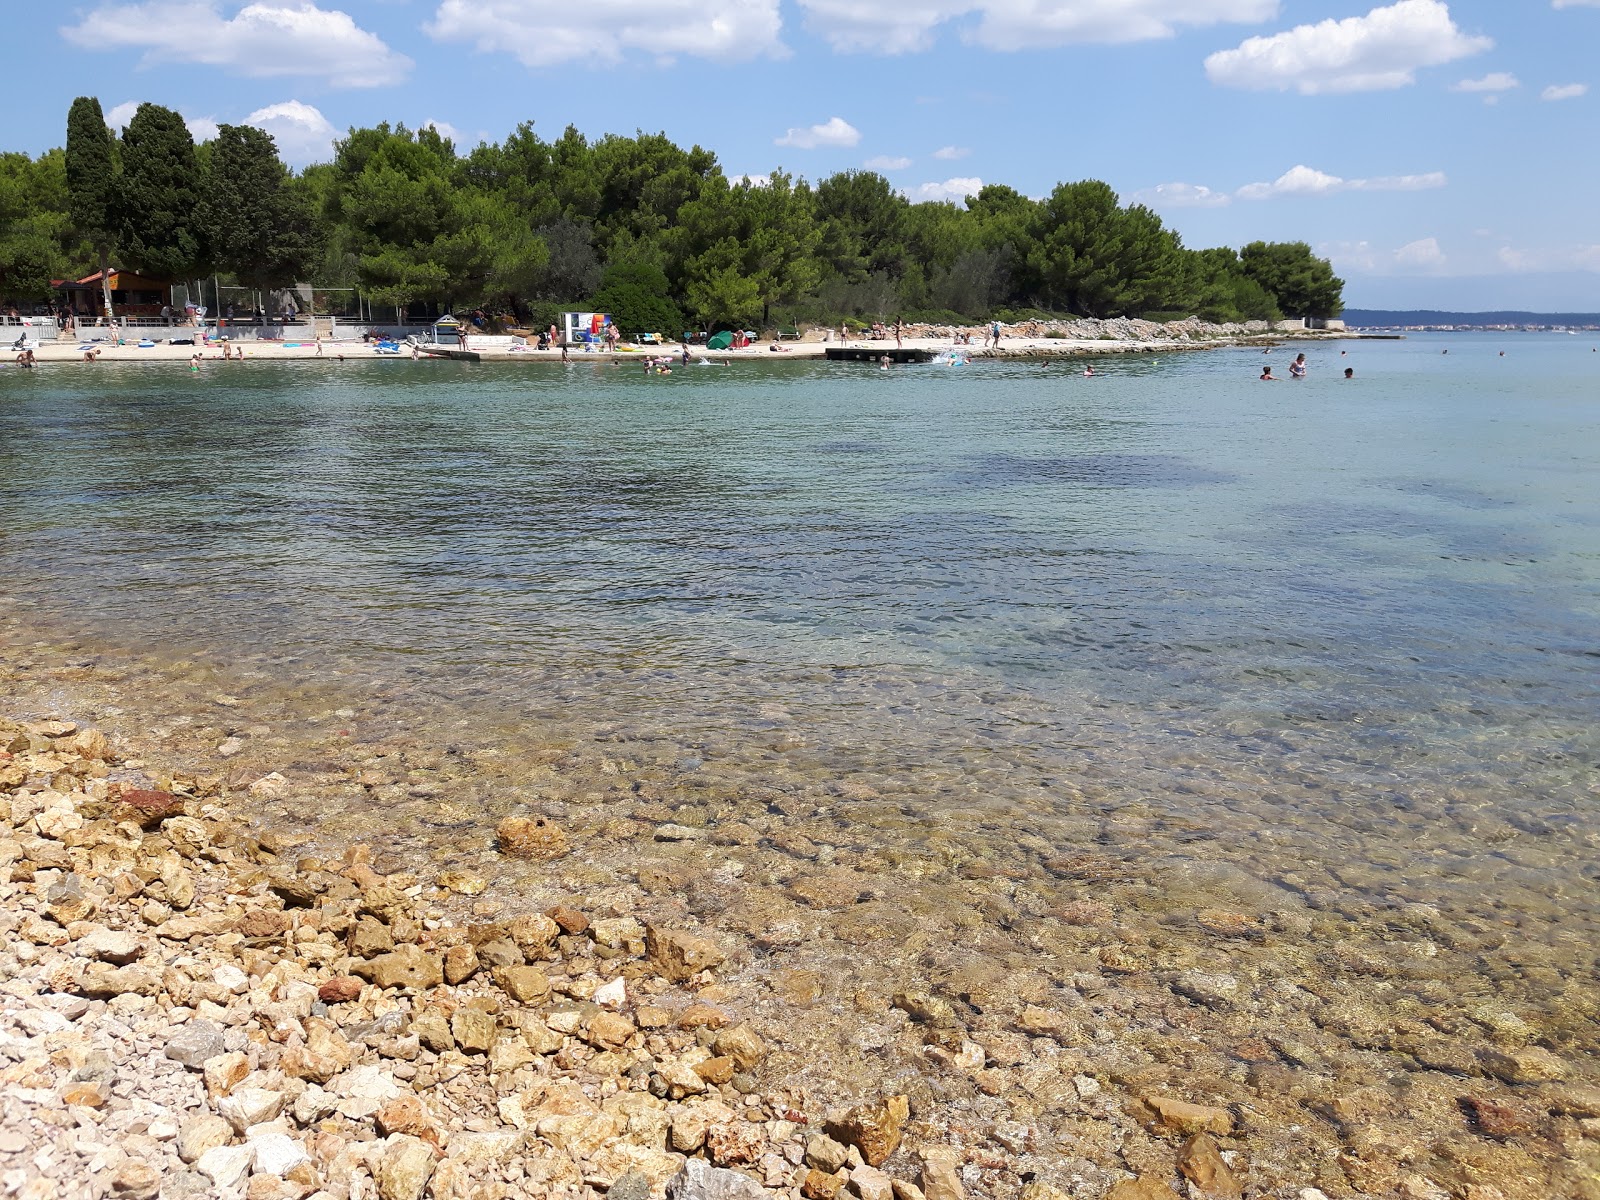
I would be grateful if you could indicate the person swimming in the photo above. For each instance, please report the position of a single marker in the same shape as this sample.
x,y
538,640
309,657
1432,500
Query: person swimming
x,y
1088,372
1349,372
1297,369
1266,374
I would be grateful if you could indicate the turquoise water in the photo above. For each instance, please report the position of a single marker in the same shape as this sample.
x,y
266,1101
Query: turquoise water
x,y
1329,643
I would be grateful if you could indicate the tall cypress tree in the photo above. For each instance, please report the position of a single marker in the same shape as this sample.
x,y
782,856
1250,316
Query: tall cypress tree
x,y
258,224
161,234
92,183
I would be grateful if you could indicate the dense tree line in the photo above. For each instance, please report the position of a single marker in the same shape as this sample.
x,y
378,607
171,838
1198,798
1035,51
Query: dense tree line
x,y
637,226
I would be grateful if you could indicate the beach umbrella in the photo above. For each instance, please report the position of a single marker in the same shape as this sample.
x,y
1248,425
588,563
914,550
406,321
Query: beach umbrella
x,y
720,341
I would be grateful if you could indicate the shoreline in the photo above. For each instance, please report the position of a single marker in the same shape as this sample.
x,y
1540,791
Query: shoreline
x,y
352,350
1121,1051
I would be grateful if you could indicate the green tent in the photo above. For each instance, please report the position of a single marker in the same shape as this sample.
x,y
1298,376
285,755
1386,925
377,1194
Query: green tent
x,y
720,341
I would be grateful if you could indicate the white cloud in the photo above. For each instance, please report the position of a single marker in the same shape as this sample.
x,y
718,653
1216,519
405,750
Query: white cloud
x,y
1423,254
117,118
303,134
956,190
1307,181
1564,91
1381,50
755,181
951,153
885,162
835,131
201,129
1514,260
1497,81
264,40
1181,195
898,27
544,33
1350,256
444,129
1576,3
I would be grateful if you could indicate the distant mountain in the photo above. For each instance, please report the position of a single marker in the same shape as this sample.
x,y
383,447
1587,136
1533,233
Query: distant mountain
x,y
1429,316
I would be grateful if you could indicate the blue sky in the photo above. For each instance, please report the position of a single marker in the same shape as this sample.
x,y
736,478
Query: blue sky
x,y
1441,152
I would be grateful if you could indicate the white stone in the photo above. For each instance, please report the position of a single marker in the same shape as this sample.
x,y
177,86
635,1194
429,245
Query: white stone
x,y
232,978
278,1154
225,1166
613,994
250,1106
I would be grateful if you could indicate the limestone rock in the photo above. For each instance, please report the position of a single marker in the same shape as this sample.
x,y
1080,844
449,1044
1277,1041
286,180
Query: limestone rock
x,y
226,1166
530,837
608,1030
195,1042
473,1030
525,985
1146,1187
408,967
404,1168
112,946
1528,1064
136,1180
740,1043
201,1132
460,964
1179,1116
825,1154
874,1128
1201,1163
941,1174
249,1106
869,1183
699,1180
680,956
278,1154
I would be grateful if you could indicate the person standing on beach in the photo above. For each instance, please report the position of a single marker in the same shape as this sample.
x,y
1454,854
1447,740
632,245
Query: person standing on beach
x,y
994,331
844,333
897,342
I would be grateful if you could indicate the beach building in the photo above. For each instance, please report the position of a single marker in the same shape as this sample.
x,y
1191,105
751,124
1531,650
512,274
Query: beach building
x,y
131,295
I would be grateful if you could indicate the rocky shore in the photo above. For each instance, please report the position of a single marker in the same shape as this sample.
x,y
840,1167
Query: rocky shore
x,y
1025,339
189,1011
194,1006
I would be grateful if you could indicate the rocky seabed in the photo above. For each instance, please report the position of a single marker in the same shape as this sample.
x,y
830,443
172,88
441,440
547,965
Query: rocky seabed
x,y
188,1010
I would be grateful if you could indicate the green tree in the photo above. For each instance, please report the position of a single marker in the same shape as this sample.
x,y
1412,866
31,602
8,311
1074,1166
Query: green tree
x,y
635,294
257,220
752,246
161,190
36,239
1096,258
1302,284
93,184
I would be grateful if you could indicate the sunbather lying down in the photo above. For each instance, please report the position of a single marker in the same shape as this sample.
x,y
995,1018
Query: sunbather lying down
x,y
777,349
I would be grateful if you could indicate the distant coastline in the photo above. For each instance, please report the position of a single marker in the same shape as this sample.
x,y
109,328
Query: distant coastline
x,y
1428,318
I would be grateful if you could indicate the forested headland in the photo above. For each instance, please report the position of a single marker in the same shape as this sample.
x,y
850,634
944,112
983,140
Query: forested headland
x,y
636,226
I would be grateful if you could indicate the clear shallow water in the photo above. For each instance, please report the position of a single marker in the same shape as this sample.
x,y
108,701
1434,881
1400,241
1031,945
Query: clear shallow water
x,y
1328,645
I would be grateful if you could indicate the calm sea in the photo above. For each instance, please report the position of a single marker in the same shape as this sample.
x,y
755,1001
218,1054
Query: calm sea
x,y
1330,644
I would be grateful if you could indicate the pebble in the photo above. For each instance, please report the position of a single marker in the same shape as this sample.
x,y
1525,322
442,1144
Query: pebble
x,y
194,1043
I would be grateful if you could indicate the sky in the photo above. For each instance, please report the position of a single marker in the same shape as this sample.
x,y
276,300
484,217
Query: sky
x,y
1440,152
